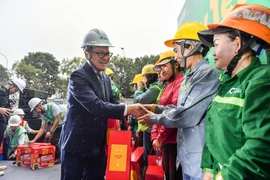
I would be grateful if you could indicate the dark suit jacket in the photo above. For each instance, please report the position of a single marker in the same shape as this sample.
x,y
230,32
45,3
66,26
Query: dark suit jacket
x,y
84,129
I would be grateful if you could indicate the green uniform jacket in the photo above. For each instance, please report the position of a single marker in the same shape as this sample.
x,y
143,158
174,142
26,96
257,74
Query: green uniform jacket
x,y
238,126
148,96
115,91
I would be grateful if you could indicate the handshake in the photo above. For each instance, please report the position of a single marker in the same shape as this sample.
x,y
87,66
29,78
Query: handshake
x,y
142,112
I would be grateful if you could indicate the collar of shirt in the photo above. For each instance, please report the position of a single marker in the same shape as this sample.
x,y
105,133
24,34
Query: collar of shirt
x,y
93,68
190,73
243,74
253,64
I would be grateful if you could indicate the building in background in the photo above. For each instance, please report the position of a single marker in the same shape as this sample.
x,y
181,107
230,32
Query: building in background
x,y
213,11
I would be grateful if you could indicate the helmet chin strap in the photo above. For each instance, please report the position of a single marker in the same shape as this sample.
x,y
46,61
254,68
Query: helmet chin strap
x,y
173,69
90,59
235,59
197,47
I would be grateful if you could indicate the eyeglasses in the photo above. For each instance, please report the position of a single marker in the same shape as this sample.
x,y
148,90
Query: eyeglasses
x,y
103,54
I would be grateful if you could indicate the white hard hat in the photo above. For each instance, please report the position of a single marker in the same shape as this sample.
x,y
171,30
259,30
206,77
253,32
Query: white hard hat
x,y
14,120
18,112
33,103
19,83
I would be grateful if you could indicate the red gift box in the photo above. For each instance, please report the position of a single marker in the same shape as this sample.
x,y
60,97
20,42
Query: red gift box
x,y
154,170
119,155
41,144
42,156
136,160
23,157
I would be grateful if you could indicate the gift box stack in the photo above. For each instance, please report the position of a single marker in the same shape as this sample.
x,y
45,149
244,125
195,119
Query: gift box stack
x,y
37,155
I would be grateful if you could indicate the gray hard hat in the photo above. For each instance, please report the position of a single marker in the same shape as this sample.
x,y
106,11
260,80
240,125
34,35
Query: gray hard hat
x,y
96,37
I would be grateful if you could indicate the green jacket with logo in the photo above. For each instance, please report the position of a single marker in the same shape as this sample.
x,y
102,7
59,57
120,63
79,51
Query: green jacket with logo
x,y
49,117
238,126
148,96
14,136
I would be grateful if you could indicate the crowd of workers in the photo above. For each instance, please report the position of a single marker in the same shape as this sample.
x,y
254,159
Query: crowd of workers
x,y
14,129
206,122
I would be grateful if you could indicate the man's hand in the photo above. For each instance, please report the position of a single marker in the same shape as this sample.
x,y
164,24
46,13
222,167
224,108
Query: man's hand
x,y
136,110
156,146
5,111
31,142
48,135
207,176
137,133
145,119
12,156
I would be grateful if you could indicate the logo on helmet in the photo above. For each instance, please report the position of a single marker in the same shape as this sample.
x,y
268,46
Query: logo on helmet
x,y
102,37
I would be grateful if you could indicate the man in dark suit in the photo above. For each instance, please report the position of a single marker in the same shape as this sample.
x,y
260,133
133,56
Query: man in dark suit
x,y
90,103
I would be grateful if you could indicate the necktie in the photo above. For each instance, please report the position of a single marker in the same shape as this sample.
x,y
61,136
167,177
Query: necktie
x,y
100,78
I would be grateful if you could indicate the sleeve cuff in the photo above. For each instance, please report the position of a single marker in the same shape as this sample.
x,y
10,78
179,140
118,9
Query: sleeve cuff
x,y
125,112
208,170
154,119
152,108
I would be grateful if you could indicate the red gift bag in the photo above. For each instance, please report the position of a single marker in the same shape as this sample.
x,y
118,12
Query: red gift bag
x,y
154,170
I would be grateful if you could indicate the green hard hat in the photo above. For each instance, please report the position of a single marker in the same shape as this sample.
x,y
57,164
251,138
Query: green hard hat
x,y
96,37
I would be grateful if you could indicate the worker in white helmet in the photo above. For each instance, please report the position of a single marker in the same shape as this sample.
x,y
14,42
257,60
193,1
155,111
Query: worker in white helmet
x,y
10,88
17,134
52,114
24,123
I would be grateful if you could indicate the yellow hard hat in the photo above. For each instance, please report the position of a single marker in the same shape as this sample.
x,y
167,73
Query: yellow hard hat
x,y
137,78
148,69
108,71
187,31
164,58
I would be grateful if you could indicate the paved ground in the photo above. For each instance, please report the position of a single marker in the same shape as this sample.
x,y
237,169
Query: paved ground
x,y
25,173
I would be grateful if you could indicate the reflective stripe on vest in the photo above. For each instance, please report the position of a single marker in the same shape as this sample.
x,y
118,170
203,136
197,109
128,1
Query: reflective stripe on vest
x,y
157,87
14,136
230,100
23,123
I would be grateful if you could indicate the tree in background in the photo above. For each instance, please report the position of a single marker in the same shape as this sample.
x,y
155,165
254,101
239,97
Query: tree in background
x,y
43,72
126,68
39,69
66,68
28,72
4,74
123,69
